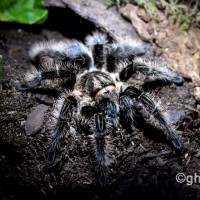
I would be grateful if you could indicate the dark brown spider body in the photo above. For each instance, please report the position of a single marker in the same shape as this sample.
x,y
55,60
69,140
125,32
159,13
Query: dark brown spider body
x,y
96,98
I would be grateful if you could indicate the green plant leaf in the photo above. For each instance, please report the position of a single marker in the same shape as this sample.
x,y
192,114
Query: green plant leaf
x,y
23,11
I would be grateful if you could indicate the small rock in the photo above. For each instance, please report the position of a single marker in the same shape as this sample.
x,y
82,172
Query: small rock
x,y
129,11
12,112
197,155
189,44
140,149
197,93
130,149
161,36
174,116
198,110
159,17
160,161
35,119
142,14
158,52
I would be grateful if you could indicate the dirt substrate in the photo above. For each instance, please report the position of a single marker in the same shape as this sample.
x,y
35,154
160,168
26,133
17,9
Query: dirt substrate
x,y
145,165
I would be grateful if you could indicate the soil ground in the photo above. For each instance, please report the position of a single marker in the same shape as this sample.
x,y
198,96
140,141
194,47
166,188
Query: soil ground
x,y
145,167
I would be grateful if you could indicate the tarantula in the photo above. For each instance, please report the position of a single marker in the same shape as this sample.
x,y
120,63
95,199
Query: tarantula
x,y
97,97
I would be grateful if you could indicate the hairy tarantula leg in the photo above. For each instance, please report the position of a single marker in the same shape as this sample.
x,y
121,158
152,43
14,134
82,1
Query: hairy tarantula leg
x,y
72,55
127,112
27,86
34,78
97,43
101,148
123,53
156,117
126,107
149,69
107,103
30,80
54,147
60,124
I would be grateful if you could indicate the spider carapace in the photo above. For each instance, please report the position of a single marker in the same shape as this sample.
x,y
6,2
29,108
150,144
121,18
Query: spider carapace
x,y
97,82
